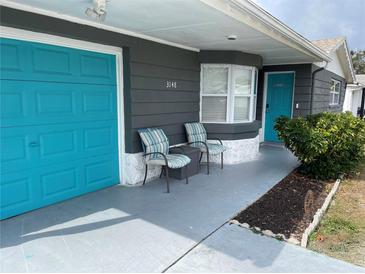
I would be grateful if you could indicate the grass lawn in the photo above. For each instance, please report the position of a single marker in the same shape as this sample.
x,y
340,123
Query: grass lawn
x,y
341,233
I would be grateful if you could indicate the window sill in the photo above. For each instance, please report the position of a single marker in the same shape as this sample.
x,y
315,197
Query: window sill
x,y
228,123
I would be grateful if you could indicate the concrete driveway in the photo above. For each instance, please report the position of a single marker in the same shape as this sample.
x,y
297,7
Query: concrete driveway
x,y
143,229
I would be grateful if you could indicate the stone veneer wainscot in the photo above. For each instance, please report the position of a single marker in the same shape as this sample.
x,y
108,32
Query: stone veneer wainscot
x,y
238,151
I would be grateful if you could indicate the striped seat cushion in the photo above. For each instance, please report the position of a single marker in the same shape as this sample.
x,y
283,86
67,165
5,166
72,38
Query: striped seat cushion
x,y
196,133
154,140
173,161
213,148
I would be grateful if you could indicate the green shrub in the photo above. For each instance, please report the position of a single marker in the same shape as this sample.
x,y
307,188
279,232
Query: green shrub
x,y
327,144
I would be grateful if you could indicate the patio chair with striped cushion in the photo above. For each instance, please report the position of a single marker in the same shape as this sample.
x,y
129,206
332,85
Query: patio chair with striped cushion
x,y
197,137
156,152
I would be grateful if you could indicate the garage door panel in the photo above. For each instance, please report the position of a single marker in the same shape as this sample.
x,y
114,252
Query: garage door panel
x,y
13,104
97,101
61,61
15,149
95,65
36,103
44,62
55,102
14,57
56,143
101,172
101,137
17,193
60,182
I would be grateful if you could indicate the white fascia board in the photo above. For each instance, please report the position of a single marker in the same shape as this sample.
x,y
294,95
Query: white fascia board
x,y
257,18
77,20
285,63
342,49
349,61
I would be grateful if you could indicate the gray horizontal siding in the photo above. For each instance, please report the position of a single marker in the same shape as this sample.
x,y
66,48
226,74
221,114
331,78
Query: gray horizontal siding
x,y
238,136
147,52
164,96
160,71
230,57
321,94
162,119
173,139
175,132
146,68
152,83
233,131
164,108
154,105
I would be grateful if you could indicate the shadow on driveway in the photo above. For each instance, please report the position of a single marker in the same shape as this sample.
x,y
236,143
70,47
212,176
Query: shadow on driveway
x,y
141,228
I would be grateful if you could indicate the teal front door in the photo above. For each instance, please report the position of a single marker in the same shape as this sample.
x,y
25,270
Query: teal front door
x,y
59,128
279,100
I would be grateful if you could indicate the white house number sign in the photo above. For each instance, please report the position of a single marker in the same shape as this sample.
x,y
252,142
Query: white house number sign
x,y
171,84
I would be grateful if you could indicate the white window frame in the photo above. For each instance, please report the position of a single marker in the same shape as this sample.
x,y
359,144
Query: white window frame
x,y
230,93
334,92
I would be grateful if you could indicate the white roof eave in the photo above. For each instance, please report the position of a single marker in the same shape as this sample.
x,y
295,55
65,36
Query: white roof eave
x,y
241,10
258,18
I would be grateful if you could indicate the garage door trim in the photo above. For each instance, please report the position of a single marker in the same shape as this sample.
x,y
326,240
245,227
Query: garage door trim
x,y
13,33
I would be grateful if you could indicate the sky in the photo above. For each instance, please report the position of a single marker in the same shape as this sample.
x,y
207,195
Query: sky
x,y
320,19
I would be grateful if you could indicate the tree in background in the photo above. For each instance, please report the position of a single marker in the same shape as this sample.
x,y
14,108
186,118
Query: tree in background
x,y
358,60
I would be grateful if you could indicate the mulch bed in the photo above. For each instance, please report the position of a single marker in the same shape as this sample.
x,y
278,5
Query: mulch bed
x,y
287,208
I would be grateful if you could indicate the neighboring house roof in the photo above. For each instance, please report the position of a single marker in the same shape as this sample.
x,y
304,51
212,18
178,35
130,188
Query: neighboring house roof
x,y
337,49
328,45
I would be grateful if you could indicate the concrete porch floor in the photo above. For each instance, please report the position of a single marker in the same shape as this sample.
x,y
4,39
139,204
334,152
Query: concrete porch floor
x,y
143,229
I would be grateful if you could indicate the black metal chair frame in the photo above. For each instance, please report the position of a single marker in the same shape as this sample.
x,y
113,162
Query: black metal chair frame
x,y
207,149
164,168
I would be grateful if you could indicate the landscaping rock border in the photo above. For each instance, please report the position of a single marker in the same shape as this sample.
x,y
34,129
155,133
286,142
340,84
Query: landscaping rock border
x,y
311,227
319,214
268,233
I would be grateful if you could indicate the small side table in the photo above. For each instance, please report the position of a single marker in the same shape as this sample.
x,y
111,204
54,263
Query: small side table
x,y
193,168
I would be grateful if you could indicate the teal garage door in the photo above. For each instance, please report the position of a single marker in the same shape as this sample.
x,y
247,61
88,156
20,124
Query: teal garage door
x,y
59,127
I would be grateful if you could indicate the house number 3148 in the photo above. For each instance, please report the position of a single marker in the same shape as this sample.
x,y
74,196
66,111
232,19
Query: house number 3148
x,y
171,84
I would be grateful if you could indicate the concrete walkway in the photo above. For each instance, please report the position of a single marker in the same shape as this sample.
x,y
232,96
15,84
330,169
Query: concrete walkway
x,y
143,229
236,249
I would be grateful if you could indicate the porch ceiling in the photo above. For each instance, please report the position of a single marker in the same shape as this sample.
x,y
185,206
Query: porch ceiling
x,y
199,25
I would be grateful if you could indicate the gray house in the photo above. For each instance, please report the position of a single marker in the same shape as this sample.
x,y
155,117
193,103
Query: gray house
x,y
76,87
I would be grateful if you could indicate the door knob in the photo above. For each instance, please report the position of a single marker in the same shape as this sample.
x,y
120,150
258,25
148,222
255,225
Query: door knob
x,y
33,144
